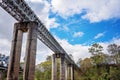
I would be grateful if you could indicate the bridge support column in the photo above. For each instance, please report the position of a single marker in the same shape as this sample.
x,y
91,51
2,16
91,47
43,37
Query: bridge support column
x,y
66,72
14,64
62,66
54,67
72,72
30,57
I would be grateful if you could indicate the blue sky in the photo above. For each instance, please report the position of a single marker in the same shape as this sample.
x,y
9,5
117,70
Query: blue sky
x,y
88,30
107,30
76,24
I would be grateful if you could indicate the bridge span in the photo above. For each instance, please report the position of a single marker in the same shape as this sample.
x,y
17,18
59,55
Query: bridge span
x,y
30,23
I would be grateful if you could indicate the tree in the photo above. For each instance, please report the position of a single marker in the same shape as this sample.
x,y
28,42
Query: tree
x,y
43,70
102,69
114,50
85,64
96,51
48,58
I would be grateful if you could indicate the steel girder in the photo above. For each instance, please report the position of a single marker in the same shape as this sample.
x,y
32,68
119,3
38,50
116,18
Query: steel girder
x,y
20,10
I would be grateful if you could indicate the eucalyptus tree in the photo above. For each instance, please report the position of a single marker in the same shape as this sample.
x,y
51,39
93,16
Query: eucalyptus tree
x,y
114,50
97,51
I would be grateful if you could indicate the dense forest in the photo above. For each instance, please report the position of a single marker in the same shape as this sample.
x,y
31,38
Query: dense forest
x,y
100,66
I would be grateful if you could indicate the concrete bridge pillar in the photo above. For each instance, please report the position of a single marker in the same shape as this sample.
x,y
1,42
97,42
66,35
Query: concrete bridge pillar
x,y
65,68
72,72
66,71
62,66
30,57
14,64
54,67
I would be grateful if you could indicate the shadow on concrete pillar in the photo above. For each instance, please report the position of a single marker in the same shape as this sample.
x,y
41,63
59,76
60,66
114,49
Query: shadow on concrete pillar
x,y
54,67
30,56
14,64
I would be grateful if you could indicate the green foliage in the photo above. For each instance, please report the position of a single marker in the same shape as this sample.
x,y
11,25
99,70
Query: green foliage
x,y
114,50
101,66
43,71
114,73
21,76
96,51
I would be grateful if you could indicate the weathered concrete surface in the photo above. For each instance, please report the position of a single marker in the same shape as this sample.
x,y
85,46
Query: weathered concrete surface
x,y
72,72
62,67
14,64
31,47
15,54
54,67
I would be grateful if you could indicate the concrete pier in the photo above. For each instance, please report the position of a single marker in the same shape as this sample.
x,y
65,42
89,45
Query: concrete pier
x,y
72,72
15,54
62,67
14,64
54,67
65,68
66,71
31,47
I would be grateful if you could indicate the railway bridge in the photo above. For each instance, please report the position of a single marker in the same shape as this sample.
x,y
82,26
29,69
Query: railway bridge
x,y
28,22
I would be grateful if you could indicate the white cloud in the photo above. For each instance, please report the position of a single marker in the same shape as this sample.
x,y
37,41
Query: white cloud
x,y
35,0
81,51
6,29
78,50
99,35
78,34
51,23
42,52
105,44
4,46
65,28
106,9
42,8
